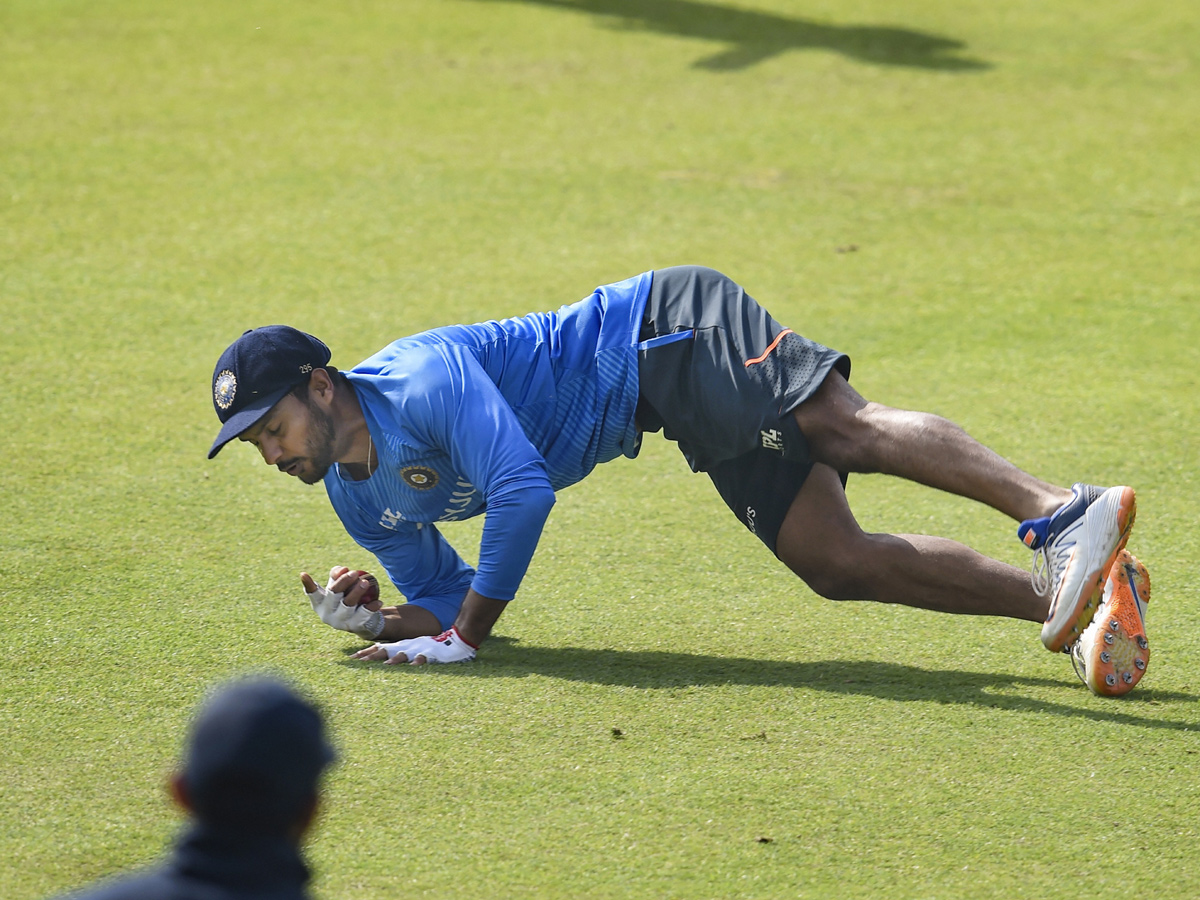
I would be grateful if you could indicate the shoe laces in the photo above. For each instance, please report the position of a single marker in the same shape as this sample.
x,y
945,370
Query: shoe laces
x,y
1039,572
1050,560
1048,536
1077,663
1035,533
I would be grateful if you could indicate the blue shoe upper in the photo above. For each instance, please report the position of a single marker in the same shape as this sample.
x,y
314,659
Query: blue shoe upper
x,y
1036,533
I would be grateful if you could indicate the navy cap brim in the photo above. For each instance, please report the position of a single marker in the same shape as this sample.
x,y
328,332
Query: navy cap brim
x,y
246,418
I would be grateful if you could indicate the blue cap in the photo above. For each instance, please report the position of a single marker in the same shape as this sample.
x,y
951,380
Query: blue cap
x,y
256,371
255,756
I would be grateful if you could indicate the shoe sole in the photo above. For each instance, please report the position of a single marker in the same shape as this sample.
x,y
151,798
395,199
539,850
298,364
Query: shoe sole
x,y
1119,653
1065,626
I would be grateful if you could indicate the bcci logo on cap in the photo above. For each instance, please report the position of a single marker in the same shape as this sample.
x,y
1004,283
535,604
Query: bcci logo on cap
x,y
224,389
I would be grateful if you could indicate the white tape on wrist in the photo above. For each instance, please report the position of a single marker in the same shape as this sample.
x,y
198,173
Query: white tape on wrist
x,y
333,612
372,626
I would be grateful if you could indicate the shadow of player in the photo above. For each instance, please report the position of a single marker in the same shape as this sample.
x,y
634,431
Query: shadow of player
x,y
749,37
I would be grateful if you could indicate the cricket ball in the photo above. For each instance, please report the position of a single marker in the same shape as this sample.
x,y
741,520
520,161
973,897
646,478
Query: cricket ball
x,y
372,593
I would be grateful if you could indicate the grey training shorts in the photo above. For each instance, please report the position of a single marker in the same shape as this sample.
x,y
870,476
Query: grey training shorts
x,y
720,377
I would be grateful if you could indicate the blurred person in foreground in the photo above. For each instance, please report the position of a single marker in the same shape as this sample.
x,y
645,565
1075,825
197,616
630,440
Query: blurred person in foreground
x,y
250,785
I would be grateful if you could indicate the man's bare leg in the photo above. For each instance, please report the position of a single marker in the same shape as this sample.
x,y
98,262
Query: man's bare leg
x,y
851,434
821,542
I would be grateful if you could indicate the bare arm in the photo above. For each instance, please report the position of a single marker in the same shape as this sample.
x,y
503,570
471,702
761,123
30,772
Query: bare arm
x,y
477,616
407,621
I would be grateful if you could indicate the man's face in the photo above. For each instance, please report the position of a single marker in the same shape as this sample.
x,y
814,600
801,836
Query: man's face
x,y
296,436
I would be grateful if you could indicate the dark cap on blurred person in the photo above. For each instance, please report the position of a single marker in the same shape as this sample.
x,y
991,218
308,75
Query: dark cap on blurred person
x,y
256,371
255,756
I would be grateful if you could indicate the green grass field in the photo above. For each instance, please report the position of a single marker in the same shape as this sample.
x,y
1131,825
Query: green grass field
x,y
994,208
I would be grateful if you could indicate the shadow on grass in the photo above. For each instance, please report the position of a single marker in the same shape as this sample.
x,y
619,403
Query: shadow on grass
x,y
751,37
659,670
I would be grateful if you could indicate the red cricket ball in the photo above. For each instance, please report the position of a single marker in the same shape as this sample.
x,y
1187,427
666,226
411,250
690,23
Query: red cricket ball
x,y
372,592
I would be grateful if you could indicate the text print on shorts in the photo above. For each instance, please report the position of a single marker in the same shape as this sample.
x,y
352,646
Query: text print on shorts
x,y
772,439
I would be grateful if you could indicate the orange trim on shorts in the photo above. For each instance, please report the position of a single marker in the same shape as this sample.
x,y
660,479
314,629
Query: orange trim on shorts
x,y
767,352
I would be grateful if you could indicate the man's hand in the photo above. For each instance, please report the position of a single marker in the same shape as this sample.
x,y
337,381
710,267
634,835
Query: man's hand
x,y
355,585
337,603
447,647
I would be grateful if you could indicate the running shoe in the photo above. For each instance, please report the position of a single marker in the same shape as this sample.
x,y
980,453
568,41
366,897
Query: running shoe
x,y
1112,654
1073,551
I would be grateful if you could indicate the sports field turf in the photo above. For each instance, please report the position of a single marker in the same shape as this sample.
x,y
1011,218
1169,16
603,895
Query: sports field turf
x,y
994,208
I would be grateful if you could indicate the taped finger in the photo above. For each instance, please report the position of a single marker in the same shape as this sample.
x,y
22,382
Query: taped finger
x,y
334,574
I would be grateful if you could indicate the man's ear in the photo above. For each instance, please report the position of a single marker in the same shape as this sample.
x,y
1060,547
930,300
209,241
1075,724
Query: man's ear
x,y
177,787
320,387
307,816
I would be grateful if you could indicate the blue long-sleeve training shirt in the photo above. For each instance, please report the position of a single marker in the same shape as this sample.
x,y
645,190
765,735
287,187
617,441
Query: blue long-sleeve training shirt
x,y
491,417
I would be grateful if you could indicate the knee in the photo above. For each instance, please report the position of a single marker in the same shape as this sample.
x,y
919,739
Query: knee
x,y
847,445
840,426
840,574
834,586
